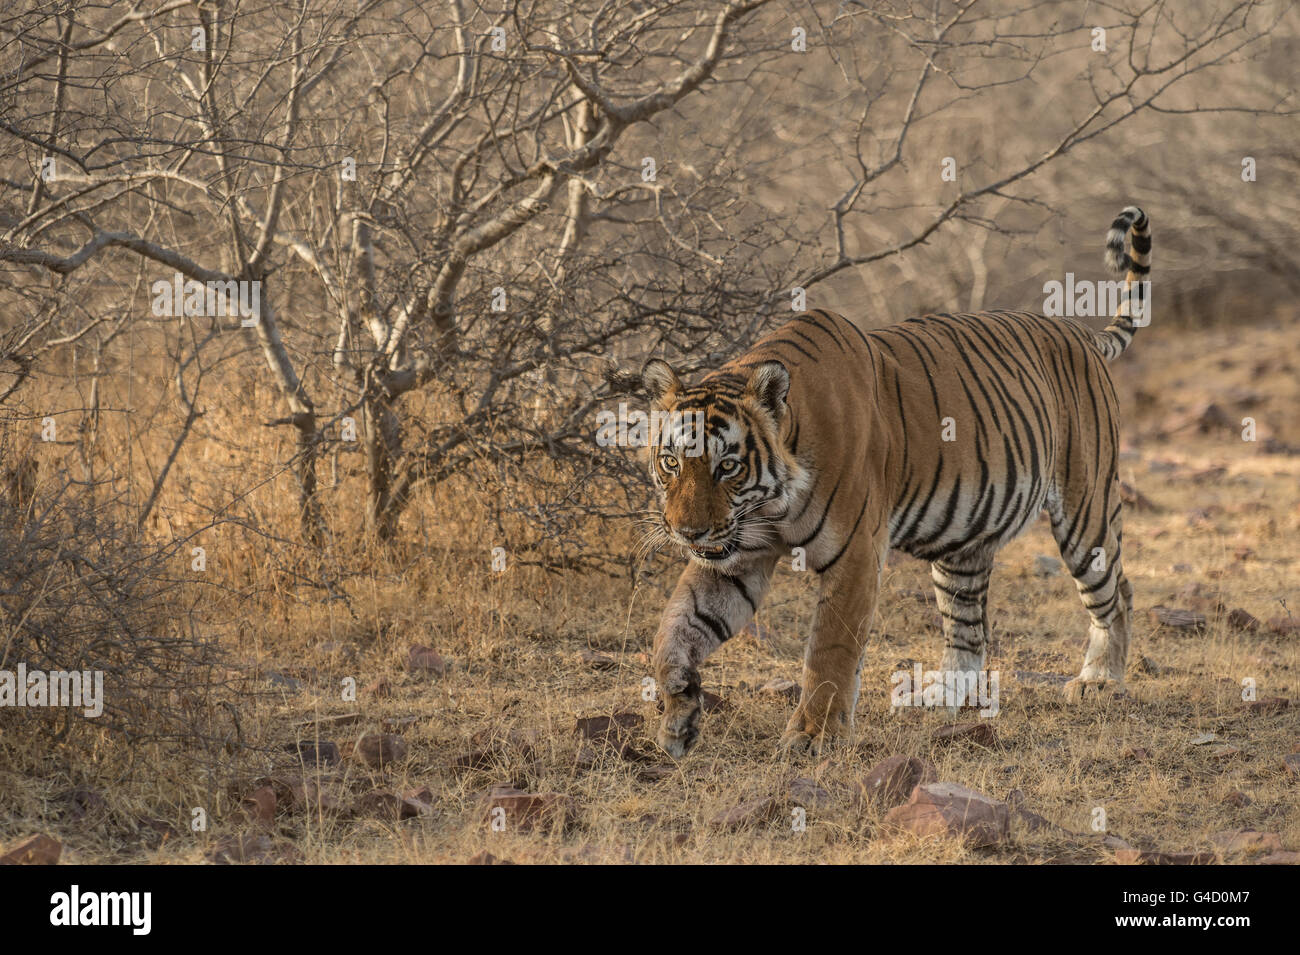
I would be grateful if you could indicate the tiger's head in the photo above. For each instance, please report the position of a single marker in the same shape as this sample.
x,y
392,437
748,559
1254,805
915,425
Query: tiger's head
x,y
723,472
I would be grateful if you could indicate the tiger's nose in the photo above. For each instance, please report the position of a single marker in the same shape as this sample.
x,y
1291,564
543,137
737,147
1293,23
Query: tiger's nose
x,y
695,534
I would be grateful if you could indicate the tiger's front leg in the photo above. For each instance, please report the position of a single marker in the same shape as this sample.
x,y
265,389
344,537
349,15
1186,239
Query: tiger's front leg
x,y
833,657
707,608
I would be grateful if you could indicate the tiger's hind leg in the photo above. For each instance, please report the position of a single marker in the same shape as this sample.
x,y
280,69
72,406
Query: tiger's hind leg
x,y
961,586
1091,548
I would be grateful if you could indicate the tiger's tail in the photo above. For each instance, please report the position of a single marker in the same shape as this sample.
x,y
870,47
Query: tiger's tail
x,y
1134,308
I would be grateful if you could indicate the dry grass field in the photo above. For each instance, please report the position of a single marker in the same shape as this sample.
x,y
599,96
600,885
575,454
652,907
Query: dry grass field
x,y
307,315
527,654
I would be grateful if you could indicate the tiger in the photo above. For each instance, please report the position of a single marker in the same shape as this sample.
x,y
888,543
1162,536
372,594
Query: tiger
x,y
942,436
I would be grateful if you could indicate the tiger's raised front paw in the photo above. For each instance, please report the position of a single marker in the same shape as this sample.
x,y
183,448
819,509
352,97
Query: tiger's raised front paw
x,y
676,737
680,728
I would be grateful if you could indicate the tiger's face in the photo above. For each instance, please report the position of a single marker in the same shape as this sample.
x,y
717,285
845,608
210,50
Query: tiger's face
x,y
723,474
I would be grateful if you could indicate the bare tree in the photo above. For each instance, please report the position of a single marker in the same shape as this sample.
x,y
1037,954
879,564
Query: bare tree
x,y
460,215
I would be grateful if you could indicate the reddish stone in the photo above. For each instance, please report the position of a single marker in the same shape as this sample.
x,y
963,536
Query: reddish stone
x,y
978,731
890,783
756,812
39,849
423,659
259,806
526,811
947,809
377,750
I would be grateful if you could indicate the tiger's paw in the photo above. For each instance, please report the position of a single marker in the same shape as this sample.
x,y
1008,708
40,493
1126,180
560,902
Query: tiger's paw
x,y
803,736
676,742
794,743
1080,689
680,728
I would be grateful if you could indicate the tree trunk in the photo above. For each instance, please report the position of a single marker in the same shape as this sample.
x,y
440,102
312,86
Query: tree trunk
x,y
313,527
383,440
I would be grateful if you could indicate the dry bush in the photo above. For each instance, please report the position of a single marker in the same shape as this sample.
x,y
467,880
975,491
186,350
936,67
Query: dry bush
x,y
495,242
79,590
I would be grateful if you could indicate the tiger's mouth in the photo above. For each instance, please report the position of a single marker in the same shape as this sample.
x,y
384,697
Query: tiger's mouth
x,y
714,551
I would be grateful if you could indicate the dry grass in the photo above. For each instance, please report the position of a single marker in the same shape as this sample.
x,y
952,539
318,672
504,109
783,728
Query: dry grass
x,y
514,644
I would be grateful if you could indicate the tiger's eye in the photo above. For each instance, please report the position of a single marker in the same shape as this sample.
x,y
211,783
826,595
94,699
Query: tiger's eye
x,y
668,462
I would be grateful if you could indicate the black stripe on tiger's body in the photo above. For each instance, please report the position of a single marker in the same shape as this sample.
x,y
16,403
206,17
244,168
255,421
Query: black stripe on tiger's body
x,y
943,436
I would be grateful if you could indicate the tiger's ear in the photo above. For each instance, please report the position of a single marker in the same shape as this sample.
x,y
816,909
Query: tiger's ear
x,y
660,381
769,383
